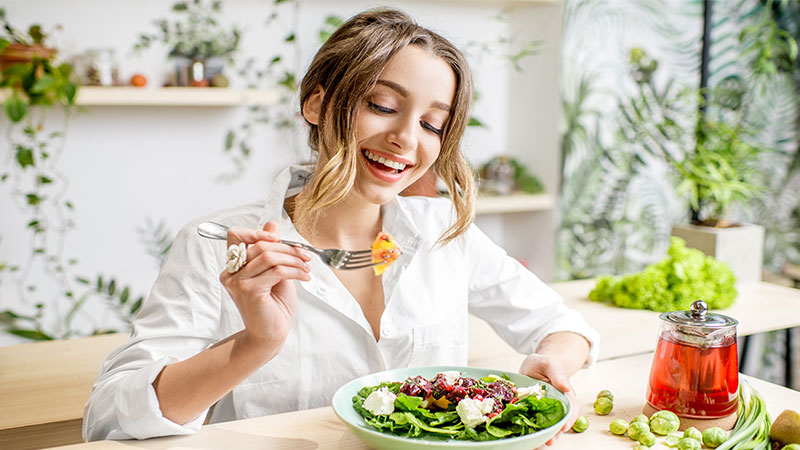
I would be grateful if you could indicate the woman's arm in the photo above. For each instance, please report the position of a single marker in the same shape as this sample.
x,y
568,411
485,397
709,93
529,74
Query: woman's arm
x,y
570,349
265,297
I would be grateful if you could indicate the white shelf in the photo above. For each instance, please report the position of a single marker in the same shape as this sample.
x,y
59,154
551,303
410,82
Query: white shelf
x,y
514,203
171,96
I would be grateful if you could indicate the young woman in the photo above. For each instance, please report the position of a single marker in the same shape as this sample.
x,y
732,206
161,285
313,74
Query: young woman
x,y
386,100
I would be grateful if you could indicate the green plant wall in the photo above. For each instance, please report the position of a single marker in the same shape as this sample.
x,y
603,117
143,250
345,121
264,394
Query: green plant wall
x,y
618,199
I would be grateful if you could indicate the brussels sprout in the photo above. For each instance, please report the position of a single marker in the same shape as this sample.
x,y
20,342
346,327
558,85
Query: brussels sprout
x,y
664,422
581,425
671,441
647,438
689,444
603,406
636,429
714,437
641,418
606,393
693,433
618,427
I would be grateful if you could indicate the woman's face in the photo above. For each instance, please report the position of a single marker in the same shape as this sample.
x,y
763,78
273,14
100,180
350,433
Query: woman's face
x,y
399,123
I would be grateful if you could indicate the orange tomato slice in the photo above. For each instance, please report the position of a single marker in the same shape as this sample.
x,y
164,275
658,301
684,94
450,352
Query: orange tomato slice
x,y
384,251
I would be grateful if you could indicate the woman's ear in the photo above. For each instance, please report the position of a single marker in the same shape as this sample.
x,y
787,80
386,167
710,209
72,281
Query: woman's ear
x,y
312,105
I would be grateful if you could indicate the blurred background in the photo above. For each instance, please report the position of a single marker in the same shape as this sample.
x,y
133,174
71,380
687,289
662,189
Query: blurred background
x,y
587,118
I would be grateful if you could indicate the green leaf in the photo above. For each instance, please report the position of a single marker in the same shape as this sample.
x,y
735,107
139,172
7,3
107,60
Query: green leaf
x,y
229,138
3,44
112,287
180,6
34,335
33,199
82,280
123,297
289,38
44,84
24,157
16,108
42,180
136,305
474,122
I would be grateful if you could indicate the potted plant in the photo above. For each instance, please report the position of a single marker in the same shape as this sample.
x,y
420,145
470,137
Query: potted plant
x,y
18,47
196,40
715,166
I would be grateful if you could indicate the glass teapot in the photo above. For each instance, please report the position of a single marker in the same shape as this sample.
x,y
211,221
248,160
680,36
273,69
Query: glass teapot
x,y
695,371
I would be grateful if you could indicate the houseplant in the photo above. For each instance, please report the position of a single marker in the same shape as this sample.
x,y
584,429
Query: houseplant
x,y
714,167
196,40
50,294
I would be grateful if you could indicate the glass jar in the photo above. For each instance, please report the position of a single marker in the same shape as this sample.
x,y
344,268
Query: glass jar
x,y
695,371
101,68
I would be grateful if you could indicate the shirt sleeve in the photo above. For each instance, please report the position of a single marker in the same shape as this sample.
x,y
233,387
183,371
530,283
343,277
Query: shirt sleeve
x,y
521,308
178,320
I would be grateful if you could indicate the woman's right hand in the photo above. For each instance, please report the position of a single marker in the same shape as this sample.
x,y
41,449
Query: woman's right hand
x,y
262,289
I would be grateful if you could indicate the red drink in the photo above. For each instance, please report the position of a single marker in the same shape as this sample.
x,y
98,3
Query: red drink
x,y
692,381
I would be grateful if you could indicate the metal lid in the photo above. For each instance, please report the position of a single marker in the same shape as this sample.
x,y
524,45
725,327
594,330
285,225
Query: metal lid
x,y
698,316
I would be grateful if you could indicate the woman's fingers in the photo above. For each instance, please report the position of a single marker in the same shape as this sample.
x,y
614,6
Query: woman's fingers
x,y
265,256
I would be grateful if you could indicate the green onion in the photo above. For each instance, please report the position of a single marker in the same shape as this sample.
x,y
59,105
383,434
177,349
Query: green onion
x,y
751,431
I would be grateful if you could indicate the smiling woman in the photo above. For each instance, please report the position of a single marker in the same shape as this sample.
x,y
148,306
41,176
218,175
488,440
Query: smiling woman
x,y
386,100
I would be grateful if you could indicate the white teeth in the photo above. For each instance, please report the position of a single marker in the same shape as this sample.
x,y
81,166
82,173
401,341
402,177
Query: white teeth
x,y
386,162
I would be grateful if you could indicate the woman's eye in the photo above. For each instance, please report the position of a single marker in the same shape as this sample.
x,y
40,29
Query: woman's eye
x,y
379,108
432,129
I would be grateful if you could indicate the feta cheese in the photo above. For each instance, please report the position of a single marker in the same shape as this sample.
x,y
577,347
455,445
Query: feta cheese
x,y
473,412
450,376
536,390
380,402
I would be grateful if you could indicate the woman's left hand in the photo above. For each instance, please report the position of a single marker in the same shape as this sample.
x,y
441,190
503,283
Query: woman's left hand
x,y
550,370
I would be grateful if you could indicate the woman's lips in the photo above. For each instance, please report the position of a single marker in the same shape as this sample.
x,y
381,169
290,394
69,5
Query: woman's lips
x,y
384,168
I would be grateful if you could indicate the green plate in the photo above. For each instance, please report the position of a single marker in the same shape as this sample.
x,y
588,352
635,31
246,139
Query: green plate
x,y
343,406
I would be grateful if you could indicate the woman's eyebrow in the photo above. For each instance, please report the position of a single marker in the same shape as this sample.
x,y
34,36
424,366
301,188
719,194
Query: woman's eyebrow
x,y
404,92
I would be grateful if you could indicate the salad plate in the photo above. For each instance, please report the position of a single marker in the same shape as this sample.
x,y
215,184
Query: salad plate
x,y
343,406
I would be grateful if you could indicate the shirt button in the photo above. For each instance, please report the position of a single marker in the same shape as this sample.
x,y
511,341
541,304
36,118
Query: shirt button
x,y
387,332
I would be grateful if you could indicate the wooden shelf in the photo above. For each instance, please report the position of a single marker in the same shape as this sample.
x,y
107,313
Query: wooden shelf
x,y
171,96
514,203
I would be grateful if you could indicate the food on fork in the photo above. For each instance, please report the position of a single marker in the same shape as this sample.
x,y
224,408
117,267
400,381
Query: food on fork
x,y
384,249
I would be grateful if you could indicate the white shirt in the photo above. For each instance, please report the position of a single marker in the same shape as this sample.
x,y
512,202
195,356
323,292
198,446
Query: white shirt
x,y
428,294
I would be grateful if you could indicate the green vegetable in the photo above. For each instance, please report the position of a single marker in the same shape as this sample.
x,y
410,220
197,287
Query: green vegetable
x,y
751,431
636,429
689,444
791,447
714,437
581,425
410,419
664,422
671,441
647,438
693,433
641,418
606,393
618,427
672,284
603,406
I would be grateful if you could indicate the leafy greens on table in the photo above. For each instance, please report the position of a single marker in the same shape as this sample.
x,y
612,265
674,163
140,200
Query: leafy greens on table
x,y
433,409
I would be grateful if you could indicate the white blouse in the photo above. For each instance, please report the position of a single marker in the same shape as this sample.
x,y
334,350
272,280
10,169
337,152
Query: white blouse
x,y
428,293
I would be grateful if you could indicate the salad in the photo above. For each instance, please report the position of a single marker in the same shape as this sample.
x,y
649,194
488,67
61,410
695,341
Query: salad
x,y
456,407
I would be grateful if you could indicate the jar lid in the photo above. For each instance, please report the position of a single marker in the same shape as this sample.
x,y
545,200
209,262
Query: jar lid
x,y
698,316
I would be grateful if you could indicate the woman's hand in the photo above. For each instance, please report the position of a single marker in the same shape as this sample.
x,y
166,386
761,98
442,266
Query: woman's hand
x,y
551,370
262,289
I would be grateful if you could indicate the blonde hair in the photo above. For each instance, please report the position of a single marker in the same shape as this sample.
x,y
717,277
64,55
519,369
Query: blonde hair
x,y
347,67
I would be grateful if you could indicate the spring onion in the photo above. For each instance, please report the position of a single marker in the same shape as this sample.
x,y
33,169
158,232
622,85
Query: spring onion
x,y
751,431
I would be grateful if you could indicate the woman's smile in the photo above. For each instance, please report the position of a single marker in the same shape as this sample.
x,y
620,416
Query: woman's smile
x,y
386,167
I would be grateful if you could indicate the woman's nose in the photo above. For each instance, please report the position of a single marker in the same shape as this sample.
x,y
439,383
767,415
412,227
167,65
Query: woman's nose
x,y
403,134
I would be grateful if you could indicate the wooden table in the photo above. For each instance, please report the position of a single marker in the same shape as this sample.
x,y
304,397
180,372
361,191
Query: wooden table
x,y
44,386
321,429
759,307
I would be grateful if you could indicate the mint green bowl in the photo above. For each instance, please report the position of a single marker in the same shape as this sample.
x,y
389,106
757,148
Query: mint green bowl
x,y
343,406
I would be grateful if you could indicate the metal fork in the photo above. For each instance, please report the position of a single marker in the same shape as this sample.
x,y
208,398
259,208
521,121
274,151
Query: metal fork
x,y
335,257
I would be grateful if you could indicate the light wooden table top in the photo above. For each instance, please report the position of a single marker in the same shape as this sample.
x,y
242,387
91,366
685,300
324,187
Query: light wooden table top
x,y
321,429
759,307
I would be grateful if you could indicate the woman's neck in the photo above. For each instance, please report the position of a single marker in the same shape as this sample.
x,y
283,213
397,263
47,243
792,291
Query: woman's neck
x,y
352,224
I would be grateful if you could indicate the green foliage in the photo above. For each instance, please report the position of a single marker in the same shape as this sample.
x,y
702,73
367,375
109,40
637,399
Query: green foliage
x,y
683,276
196,32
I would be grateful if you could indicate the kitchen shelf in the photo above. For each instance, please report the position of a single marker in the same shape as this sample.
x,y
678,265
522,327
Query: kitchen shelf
x,y
170,96
514,203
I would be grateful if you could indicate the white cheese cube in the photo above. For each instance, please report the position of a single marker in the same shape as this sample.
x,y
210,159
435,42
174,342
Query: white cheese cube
x,y
380,402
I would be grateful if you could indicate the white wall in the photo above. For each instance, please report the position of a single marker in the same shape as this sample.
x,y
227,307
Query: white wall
x,y
126,164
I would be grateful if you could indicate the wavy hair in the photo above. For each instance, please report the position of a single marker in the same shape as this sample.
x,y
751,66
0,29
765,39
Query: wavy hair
x,y
347,67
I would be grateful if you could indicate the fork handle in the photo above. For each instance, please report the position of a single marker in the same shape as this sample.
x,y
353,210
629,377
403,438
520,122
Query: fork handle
x,y
213,230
